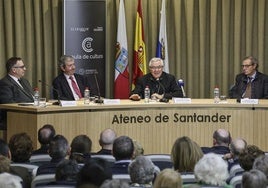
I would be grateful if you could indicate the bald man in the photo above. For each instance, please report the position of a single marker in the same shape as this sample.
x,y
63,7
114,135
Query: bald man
x,y
221,141
106,141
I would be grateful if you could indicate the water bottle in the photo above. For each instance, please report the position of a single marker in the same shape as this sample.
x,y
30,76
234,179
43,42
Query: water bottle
x,y
86,96
146,94
216,94
36,97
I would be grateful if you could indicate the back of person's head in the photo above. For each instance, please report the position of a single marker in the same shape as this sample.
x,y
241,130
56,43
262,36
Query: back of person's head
x,y
211,169
10,181
58,147
254,179
4,164
114,183
138,149
11,62
141,170
81,148
123,148
107,137
237,146
221,137
168,178
4,149
21,147
248,156
45,134
185,153
261,163
67,170
94,172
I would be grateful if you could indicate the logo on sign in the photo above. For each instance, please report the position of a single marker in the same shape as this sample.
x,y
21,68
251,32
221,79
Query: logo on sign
x,y
86,44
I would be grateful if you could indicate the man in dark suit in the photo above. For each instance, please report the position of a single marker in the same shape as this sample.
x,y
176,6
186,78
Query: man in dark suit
x,y
161,84
250,83
106,141
69,85
123,150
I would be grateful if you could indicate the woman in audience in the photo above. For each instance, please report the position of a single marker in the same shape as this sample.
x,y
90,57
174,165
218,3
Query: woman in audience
x,y
185,154
168,178
254,179
141,171
81,148
211,170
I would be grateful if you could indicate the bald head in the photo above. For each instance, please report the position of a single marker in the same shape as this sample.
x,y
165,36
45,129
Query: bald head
x,y
221,137
107,138
237,146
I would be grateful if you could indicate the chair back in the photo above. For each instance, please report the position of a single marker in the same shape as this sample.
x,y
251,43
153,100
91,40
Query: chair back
x,y
40,159
162,161
236,181
42,180
122,177
236,170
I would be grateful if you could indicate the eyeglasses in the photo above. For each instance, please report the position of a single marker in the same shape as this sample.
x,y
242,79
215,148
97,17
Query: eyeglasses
x,y
20,67
156,68
247,66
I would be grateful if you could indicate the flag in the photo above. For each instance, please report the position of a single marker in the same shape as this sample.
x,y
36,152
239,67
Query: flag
x,y
139,59
121,80
162,46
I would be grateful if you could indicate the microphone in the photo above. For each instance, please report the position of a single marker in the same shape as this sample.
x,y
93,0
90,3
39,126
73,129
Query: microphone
x,y
181,85
47,85
164,91
99,100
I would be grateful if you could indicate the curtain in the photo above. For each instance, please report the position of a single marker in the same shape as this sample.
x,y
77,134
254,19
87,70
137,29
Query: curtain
x,y
207,39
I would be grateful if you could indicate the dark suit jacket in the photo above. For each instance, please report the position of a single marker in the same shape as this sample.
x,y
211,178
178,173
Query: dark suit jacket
x,y
221,150
62,88
166,85
23,173
120,167
259,86
11,92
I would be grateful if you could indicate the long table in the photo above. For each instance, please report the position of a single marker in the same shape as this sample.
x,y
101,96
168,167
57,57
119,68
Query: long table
x,y
155,125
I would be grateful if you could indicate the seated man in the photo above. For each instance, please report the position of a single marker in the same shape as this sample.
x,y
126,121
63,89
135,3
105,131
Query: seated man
x,y
123,150
221,141
106,141
161,84
250,83
69,85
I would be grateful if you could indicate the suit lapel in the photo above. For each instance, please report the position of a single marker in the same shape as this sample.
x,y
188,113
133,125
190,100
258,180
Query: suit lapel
x,y
23,90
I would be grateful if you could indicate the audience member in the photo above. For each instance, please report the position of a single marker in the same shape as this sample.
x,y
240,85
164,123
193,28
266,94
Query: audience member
x,y
114,183
22,172
10,181
4,164
261,163
81,148
94,173
58,150
250,83
106,141
211,170
45,135
21,147
254,179
161,84
247,157
168,178
184,154
69,85
221,141
123,150
138,149
141,171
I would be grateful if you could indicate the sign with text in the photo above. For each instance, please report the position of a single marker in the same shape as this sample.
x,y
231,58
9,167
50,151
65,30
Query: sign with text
x,y
84,39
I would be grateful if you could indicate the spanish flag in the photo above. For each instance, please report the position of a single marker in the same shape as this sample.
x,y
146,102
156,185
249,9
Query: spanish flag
x,y
139,60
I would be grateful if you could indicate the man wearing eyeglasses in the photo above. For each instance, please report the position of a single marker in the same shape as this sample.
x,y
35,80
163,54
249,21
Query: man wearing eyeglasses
x,y
162,85
250,83
13,87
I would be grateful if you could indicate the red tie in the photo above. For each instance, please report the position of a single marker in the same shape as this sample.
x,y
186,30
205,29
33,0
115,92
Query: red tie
x,y
75,87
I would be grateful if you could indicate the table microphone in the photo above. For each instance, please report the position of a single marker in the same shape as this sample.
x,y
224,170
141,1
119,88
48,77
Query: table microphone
x,y
164,91
47,85
181,85
99,100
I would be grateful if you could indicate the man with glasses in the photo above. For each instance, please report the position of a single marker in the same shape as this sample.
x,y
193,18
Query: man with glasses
x,y
162,85
250,83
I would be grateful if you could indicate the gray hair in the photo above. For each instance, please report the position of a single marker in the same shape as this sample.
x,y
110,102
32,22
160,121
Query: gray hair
x,y
254,178
63,59
261,163
156,59
10,181
211,169
141,170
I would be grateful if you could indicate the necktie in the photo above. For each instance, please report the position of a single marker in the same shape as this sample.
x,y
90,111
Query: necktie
x,y
75,87
248,89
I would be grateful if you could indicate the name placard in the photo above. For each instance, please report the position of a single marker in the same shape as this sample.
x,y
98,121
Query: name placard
x,y
68,103
182,100
249,101
111,101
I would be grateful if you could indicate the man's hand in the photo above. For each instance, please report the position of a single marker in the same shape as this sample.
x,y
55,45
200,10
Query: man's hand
x,y
135,97
157,96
